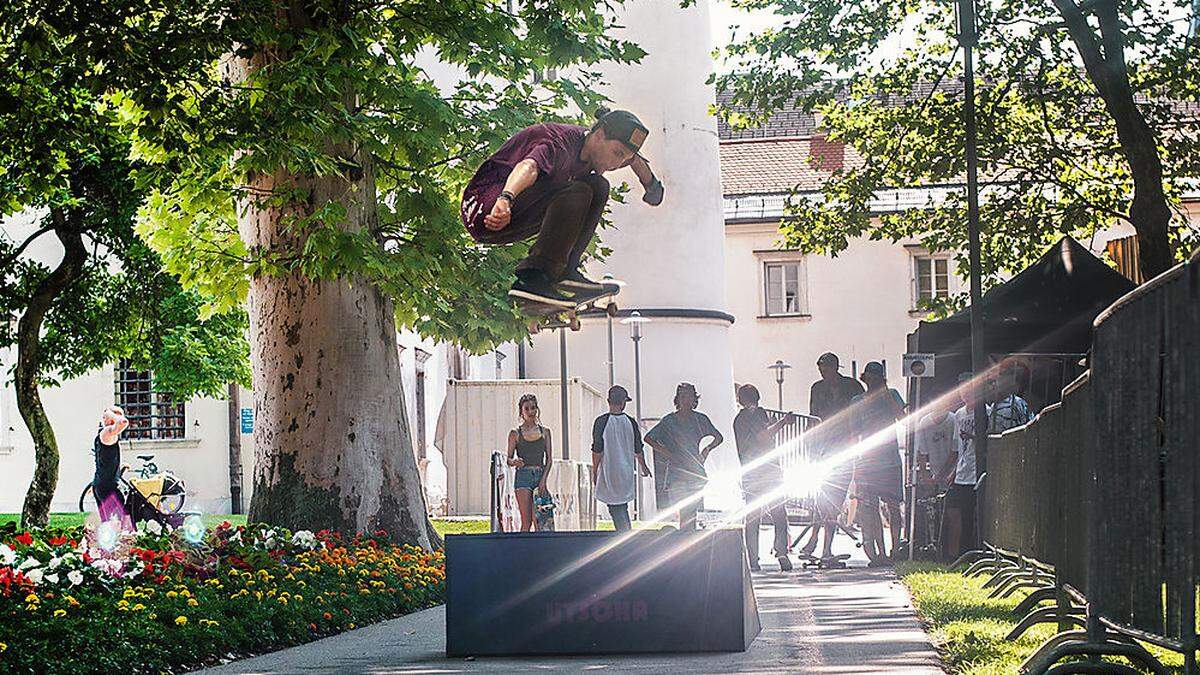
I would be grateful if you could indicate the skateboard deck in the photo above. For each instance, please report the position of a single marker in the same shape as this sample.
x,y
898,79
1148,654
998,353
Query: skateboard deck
x,y
544,315
829,563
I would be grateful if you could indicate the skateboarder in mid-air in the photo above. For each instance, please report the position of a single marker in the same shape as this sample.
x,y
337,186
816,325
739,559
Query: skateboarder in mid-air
x,y
547,182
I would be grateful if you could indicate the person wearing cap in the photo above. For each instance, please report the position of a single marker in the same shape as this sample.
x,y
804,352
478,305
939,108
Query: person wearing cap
x,y
878,471
547,182
754,434
616,442
828,398
679,435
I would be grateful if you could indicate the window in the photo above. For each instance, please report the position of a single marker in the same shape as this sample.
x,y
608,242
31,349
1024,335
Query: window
x,y
784,289
931,278
152,414
499,364
419,362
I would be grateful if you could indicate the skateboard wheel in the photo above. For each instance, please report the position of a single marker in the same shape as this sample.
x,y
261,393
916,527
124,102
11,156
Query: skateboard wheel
x,y
611,309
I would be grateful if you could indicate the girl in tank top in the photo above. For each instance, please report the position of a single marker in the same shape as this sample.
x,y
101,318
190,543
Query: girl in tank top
x,y
529,450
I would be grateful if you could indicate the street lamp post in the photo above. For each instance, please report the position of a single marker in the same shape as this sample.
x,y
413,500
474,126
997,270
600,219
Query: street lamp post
x,y
612,375
779,366
635,322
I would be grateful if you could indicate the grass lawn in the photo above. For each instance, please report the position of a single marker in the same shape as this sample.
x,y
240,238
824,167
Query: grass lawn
x,y
969,629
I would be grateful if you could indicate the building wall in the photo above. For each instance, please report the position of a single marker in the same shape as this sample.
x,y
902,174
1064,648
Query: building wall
x,y
860,306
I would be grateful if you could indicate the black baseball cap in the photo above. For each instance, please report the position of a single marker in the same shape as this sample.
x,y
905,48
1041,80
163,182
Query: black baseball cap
x,y
623,126
618,394
830,358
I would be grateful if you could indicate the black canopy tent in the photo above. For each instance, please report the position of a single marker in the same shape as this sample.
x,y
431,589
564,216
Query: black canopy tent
x,y
1047,309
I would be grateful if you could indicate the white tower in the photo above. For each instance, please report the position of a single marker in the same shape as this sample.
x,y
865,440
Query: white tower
x,y
672,256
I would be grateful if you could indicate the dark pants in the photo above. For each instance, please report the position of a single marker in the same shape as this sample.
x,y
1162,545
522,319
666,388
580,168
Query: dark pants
x,y
687,491
620,517
563,218
778,514
109,502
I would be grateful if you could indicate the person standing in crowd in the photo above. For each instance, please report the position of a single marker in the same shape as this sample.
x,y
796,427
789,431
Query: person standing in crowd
x,y
754,434
530,450
878,473
107,451
828,399
616,442
1008,409
959,521
679,435
935,434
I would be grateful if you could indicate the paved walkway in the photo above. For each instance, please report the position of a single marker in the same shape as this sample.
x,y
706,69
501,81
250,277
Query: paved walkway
x,y
838,621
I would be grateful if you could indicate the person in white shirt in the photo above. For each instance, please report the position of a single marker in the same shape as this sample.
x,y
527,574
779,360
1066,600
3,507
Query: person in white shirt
x,y
616,443
959,472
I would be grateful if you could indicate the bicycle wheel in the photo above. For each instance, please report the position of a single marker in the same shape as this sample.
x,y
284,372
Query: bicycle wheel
x,y
87,501
169,504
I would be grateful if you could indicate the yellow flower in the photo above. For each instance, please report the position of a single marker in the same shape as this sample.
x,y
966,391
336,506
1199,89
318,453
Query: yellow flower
x,y
123,605
191,602
153,616
185,593
283,600
298,598
139,607
3,647
31,598
172,594
71,600
59,612
129,593
181,621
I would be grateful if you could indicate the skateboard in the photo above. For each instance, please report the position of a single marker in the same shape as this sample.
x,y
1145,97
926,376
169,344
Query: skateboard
x,y
833,562
546,316
543,509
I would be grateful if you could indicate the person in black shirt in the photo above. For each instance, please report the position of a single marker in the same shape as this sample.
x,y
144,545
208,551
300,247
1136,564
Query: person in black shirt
x,y
530,451
754,434
679,435
107,451
828,399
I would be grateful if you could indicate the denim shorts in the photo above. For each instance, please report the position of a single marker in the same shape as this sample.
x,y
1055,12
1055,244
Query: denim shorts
x,y
529,477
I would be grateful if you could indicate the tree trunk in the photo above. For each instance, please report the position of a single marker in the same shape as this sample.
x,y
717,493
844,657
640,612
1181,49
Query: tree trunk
x,y
331,442
35,512
1104,61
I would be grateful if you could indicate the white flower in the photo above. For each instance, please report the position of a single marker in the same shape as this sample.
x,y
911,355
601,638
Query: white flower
x,y
75,577
304,539
153,527
7,555
52,578
29,563
110,567
236,538
35,576
54,562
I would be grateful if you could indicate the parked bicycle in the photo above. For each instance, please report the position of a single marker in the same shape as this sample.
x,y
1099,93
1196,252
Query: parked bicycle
x,y
150,493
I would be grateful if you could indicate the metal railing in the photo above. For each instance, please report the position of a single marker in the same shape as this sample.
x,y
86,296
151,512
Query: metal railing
x,y
1104,487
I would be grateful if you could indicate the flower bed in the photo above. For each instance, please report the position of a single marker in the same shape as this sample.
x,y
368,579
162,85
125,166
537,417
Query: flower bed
x,y
88,600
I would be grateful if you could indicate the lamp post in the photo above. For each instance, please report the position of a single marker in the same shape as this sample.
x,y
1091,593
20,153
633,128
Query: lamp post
x,y
612,377
635,321
779,366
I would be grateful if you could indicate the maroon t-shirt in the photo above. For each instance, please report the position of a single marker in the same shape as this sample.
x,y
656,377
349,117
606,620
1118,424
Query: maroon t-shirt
x,y
553,147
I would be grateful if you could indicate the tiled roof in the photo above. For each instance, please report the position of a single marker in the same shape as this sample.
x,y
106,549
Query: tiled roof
x,y
773,166
783,123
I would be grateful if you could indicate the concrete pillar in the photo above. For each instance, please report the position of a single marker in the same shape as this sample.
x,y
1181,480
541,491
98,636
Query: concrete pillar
x,y
672,256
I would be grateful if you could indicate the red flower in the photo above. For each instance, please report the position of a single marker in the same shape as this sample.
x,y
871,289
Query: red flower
x,y
57,541
25,538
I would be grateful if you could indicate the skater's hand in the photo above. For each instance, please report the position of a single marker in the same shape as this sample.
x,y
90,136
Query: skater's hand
x,y
654,192
542,490
516,462
645,471
500,216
